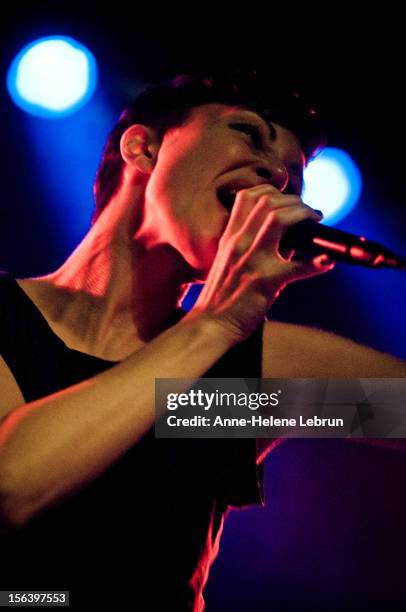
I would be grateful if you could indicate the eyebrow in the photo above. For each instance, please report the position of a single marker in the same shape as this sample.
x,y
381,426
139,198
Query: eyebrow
x,y
294,168
270,126
272,131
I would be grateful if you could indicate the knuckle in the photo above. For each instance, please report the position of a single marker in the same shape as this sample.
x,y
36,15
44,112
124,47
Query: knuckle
x,y
267,200
292,200
277,217
244,194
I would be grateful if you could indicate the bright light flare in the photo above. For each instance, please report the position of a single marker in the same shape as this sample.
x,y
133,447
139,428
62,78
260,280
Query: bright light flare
x,y
52,77
332,184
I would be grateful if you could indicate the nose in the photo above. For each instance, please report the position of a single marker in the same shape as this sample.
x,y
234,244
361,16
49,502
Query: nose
x,y
274,173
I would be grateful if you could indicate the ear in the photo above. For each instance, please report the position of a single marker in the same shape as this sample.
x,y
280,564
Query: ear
x,y
139,147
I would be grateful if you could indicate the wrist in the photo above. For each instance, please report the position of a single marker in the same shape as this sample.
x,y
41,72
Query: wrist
x,y
214,328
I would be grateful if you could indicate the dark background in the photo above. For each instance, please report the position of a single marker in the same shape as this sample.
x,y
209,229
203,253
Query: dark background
x,y
333,529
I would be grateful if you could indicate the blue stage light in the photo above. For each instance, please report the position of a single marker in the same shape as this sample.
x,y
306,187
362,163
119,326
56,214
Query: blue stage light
x,y
52,77
332,184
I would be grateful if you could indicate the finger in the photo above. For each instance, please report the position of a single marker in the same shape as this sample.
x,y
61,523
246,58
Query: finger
x,y
264,229
300,270
245,237
247,199
278,221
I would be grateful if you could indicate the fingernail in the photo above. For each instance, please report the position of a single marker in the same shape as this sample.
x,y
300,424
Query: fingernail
x,y
325,260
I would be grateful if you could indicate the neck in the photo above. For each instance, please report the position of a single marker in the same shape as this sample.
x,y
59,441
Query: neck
x,y
115,291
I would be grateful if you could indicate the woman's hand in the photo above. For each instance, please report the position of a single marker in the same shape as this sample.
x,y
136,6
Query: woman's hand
x,y
249,271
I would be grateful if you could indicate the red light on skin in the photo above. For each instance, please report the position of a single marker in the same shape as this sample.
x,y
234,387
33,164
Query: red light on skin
x,y
380,259
359,253
340,248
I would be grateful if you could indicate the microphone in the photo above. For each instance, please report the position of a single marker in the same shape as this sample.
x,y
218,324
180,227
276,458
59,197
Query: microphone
x,y
311,238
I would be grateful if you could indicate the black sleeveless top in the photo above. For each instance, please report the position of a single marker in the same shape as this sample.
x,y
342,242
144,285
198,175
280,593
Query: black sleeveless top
x,y
149,525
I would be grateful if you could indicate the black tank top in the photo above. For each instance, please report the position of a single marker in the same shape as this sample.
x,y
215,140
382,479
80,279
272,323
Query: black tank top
x,y
151,522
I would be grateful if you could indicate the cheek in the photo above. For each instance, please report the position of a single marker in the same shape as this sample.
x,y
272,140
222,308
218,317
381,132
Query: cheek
x,y
183,173
172,174
181,199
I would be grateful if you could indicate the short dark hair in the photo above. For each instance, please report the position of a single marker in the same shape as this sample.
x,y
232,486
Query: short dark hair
x,y
169,104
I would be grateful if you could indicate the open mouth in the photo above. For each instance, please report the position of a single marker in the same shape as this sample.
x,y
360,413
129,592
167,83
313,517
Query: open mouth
x,y
227,197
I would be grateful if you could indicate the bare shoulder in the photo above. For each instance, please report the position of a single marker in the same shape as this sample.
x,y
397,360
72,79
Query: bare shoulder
x,y
297,351
42,293
11,395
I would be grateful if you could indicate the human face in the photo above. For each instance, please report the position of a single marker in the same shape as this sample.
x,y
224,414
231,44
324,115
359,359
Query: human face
x,y
216,152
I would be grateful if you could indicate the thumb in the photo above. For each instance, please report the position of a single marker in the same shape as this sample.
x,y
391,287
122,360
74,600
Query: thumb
x,y
306,269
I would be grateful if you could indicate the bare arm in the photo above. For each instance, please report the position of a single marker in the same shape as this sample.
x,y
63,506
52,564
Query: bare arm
x,y
51,447
295,351
54,446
